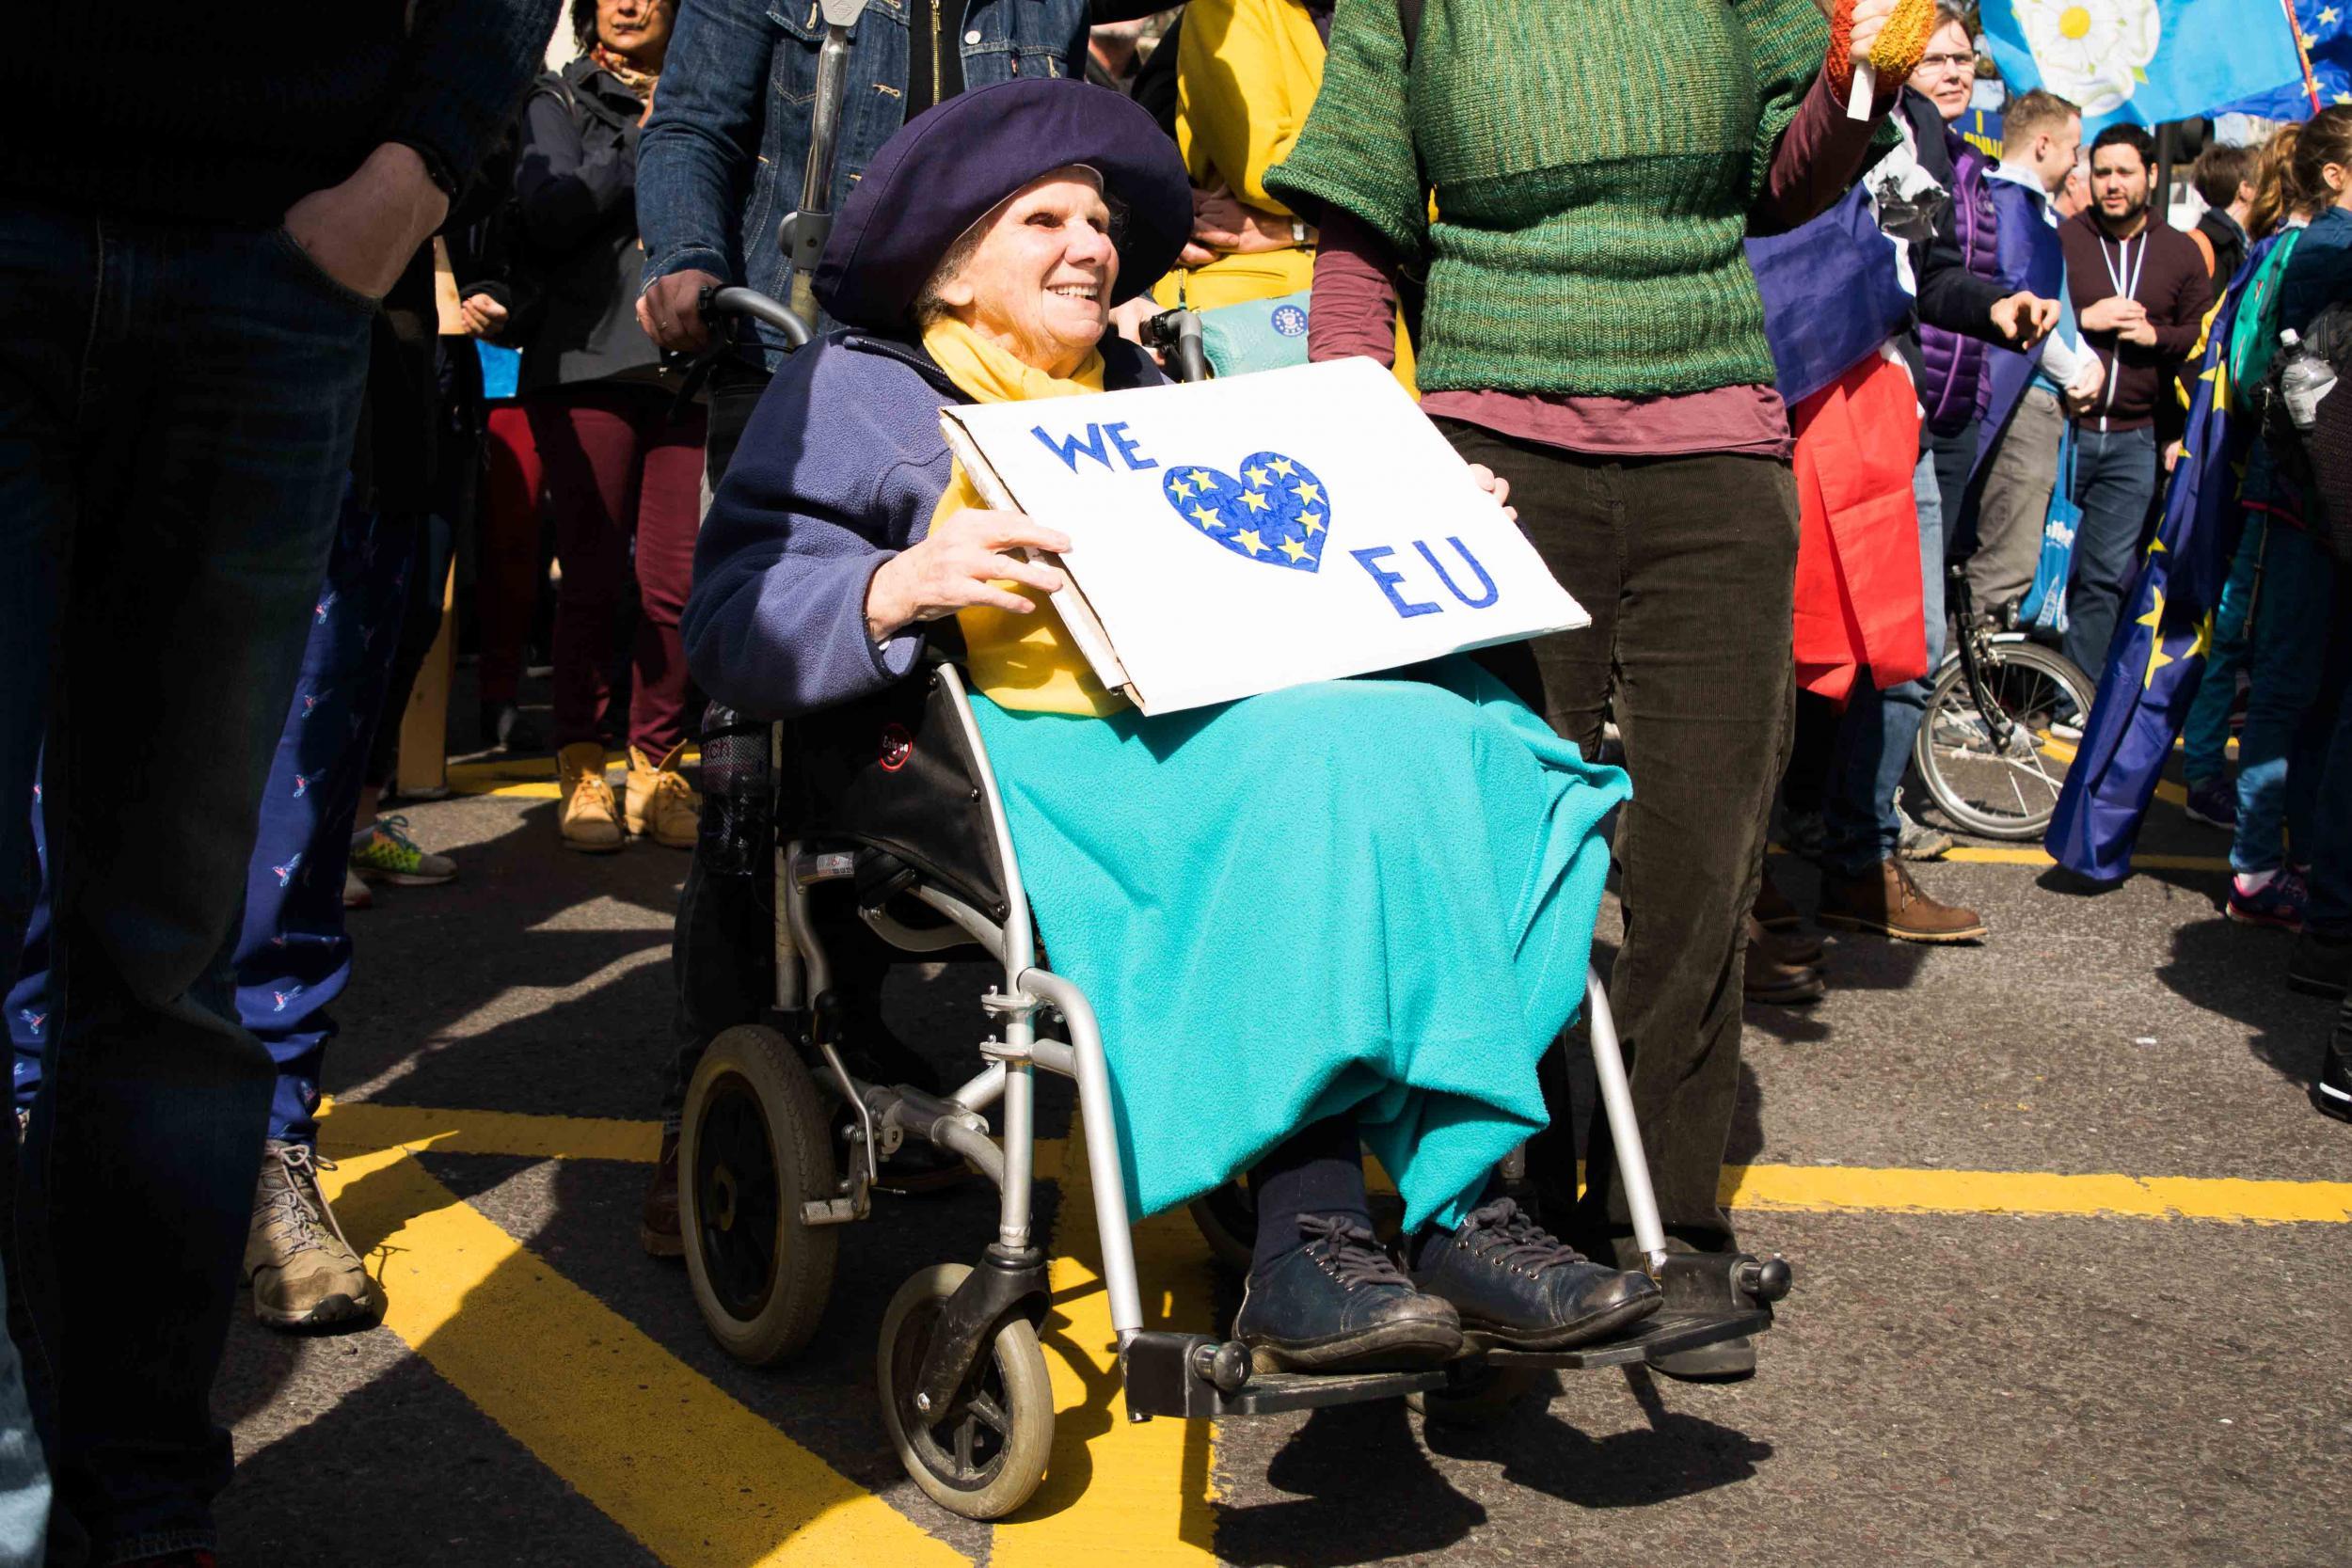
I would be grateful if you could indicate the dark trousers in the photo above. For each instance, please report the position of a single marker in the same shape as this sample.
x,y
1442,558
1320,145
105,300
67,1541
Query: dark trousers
x,y
1687,566
176,408
619,467
294,954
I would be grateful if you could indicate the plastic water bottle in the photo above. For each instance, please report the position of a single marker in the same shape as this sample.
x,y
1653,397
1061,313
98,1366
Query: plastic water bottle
x,y
2304,379
738,820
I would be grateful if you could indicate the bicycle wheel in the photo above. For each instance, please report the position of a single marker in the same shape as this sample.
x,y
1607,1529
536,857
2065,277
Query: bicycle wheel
x,y
1986,789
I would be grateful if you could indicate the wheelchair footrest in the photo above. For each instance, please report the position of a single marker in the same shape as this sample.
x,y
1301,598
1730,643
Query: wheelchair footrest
x,y
1663,1335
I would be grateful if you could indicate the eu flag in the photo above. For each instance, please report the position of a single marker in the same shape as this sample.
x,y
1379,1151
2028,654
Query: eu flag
x,y
2325,26
2146,61
2161,642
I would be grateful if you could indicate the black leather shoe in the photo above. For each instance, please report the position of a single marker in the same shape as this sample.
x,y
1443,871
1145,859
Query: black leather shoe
x,y
1340,1303
2332,1094
1520,1287
2319,963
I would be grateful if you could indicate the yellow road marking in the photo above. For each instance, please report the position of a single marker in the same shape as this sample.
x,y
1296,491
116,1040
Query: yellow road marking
x,y
659,1449
360,1126
1861,1188
365,1126
1114,1492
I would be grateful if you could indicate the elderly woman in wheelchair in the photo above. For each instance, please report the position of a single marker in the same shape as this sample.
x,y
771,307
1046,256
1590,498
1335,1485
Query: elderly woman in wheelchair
x,y
1344,915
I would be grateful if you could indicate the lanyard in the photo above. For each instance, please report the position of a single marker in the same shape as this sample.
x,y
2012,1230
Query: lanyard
x,y
2127,287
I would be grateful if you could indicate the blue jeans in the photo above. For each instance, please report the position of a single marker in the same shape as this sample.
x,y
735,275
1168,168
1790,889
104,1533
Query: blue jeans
x,y
177,407
2115,484
1875,733
293,957
2205,734
2286,729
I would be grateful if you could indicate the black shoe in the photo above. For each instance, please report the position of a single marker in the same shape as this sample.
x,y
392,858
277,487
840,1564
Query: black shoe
x,y
2320,962
2332,1094
1517,1286
1340,1303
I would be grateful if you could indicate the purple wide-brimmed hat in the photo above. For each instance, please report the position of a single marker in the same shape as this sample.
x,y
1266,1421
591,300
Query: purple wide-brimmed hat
x,y
949,165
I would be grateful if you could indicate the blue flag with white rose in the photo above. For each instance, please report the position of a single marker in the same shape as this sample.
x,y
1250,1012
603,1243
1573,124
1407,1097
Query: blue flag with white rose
x,y
2145,61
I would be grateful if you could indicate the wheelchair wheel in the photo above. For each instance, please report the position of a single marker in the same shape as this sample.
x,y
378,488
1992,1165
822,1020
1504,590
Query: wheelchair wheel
x,y
1228,1221
984,1455
1486,1400
754,1148
2006,792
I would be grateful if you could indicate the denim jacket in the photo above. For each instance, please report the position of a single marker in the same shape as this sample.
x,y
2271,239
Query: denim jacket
x,y
721,163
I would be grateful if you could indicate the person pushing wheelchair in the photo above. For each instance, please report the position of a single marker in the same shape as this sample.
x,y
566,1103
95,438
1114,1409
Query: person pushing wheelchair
x,y
1347,915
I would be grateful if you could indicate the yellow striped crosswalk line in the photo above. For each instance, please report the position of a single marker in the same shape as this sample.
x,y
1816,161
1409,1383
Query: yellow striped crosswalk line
x,y
697,1478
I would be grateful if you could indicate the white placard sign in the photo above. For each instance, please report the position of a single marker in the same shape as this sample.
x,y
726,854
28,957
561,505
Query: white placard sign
x,y
1237,536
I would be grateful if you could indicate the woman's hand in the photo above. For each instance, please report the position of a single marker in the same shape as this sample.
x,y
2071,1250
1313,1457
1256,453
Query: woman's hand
x,y
485,316
1222,221
1496,487
960,563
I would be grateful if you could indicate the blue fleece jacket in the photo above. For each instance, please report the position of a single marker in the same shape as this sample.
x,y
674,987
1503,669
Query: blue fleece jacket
x,y
839,469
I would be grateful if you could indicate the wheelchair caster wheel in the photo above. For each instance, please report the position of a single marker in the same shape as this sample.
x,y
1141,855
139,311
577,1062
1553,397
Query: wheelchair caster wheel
x,y
753,1148
1486,1398
984,1453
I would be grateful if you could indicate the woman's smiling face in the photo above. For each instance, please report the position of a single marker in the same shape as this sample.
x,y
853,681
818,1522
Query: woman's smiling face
x,y
1039,282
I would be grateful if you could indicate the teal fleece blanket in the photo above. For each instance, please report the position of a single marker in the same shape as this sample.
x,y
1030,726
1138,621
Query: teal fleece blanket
x,y
1367,894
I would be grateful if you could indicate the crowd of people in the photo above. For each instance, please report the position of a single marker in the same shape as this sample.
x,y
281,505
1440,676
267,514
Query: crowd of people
x,y
402,298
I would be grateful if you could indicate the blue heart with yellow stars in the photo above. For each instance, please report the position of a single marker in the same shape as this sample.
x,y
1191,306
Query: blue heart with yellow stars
x,y
1274,512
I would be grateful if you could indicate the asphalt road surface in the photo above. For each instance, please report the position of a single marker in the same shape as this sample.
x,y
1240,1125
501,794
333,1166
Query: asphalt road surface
x,y
2072,1282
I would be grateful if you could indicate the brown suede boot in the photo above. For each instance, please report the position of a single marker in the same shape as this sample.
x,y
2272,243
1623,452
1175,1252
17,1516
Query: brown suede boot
x,y
1767,978
586,816
1886,902
657,1225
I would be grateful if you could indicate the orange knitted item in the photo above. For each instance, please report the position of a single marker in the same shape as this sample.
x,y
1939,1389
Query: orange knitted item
x,y
1839,66
1895,53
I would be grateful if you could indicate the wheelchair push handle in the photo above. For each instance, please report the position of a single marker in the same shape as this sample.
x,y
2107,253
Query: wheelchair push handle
x,y
729,300
1178,332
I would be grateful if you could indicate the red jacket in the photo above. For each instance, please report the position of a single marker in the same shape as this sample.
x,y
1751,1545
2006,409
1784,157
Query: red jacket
x,y
1859,602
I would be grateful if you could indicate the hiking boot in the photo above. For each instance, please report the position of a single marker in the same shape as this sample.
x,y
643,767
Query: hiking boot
x,y
2212,803
383,852
303,1272
2276,902
1766,976
658,1229
2320,963
1886,902
586,816
1917,841
1339,1303
660,804
1517,1286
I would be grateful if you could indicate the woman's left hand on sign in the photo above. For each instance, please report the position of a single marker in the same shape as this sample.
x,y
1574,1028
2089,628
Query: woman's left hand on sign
x,y
963,561
1496,487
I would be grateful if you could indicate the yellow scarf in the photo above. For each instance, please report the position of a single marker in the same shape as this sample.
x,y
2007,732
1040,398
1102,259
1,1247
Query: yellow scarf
x,y
1019,661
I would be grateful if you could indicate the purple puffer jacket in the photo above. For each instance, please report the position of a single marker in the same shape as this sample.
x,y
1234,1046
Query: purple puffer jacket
x,y
1956,387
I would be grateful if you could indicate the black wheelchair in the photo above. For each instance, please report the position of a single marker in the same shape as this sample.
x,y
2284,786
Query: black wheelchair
x,y
890,803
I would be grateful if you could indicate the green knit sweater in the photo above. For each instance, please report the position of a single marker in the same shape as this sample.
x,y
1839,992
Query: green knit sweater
x,y
1593,164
